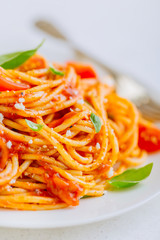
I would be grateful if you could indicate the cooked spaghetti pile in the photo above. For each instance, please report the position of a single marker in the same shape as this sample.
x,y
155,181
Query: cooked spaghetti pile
x,y
62,135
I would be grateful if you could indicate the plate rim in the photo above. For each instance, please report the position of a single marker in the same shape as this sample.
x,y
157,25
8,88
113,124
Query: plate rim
x,y
80,222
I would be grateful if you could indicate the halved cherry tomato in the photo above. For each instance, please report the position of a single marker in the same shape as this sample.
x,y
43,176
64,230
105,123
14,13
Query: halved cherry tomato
x,y
66,190
6,84
34,62
149,138
83,70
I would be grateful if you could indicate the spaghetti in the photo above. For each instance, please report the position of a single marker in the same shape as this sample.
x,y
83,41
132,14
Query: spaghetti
x,y
50,152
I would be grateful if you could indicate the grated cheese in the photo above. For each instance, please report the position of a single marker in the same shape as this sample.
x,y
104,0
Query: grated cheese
x,y
77,109
9,144
12,181
80,101
21,100
90,148
19,106
76,92
110,173
68,133
1,117
98,146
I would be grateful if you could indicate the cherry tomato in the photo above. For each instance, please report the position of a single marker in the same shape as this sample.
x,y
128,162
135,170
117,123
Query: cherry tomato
x,y
6,84
149,138
83,70
35,62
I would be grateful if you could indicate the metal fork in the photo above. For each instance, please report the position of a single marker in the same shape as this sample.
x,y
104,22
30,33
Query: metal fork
x,y
126,86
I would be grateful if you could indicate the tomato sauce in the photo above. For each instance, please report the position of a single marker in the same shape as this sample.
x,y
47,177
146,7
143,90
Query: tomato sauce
x,y
67,191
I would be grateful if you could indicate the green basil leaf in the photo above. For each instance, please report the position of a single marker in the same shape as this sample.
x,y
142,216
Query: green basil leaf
x,y
131,177
85,196
34,126
96,122
13,60
55,71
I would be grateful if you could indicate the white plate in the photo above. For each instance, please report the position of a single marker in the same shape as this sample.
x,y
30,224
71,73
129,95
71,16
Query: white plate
x,y
90,209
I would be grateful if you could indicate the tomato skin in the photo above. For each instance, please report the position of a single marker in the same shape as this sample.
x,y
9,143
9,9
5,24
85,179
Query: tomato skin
x,y
34,62
6,84
83,70
66,190
149,138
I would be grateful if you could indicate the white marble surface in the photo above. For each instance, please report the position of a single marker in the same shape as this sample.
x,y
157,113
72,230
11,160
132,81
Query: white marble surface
x,y
124,34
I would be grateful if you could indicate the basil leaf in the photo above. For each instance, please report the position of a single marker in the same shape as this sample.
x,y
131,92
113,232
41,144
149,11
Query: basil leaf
x,y
13,60
96,122
55,71
34,126
131,177
85,196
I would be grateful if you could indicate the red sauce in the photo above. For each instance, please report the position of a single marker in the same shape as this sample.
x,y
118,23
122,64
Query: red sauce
x,y
66,190
103,168
41,193
16,147
68,91
61,120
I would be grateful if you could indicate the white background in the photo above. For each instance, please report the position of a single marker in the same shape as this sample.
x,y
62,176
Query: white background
x,y
124,34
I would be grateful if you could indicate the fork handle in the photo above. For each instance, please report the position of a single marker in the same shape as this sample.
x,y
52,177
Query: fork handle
x,y
138,94
54,32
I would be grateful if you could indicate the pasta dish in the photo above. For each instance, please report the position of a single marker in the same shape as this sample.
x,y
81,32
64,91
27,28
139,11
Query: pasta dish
x,y
63,134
